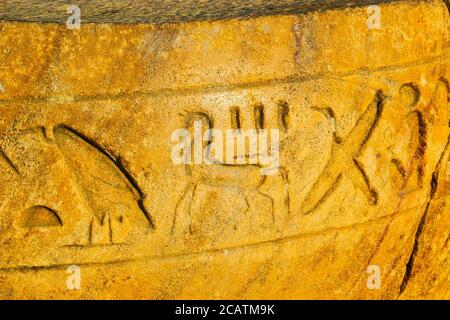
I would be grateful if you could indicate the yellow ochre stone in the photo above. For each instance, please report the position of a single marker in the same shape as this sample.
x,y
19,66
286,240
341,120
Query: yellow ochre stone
x,y
87,177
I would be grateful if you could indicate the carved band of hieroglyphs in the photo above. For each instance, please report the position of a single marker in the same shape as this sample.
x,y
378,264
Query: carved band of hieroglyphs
x,y
246,177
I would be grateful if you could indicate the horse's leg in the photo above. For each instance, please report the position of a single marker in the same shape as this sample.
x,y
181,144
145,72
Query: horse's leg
x,y
187,196
286,199
265,195
280,204
194,189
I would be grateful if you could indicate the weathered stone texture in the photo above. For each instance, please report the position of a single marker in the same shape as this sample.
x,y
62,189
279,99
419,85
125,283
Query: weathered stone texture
x,y
86,118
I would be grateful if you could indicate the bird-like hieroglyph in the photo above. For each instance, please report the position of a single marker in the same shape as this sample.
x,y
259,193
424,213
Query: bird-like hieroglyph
x,y
87,176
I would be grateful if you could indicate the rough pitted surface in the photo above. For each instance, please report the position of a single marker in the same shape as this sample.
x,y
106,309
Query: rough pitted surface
x,y
87,179
165,11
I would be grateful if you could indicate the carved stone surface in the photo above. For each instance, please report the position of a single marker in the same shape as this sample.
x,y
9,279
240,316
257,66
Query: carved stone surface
x,y
87,179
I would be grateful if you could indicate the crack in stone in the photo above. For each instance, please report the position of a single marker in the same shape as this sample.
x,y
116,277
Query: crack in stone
x,y
421,226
